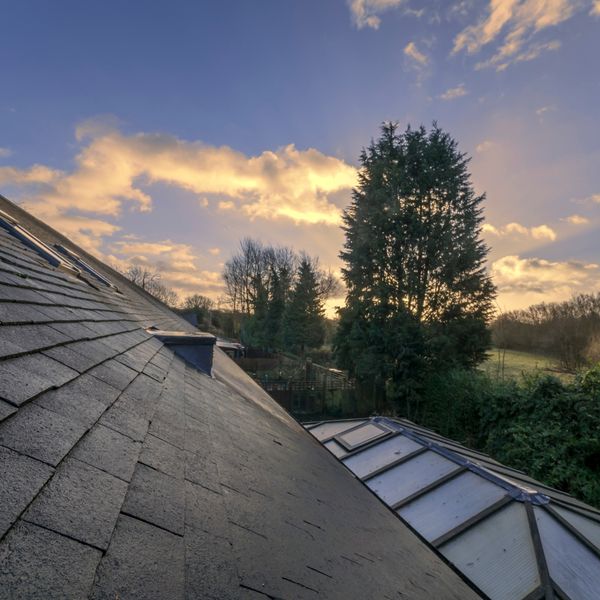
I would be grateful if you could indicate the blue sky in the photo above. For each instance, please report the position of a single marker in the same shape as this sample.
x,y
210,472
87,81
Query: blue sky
x,y
160,133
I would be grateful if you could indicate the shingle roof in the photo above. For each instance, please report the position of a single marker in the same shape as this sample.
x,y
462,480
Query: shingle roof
x,y
127,473
512,536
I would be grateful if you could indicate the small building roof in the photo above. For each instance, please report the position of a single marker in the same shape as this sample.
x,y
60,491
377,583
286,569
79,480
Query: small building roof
x,y
512,536
127,473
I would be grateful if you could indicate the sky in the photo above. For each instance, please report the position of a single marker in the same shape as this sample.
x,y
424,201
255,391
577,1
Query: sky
x,y
161,133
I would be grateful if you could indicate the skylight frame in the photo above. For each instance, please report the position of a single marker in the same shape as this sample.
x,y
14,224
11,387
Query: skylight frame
x,y
83,265
385,432
13,227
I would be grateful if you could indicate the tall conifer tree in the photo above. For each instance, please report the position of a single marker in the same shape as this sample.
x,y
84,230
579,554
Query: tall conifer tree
x,y
304,324
418,296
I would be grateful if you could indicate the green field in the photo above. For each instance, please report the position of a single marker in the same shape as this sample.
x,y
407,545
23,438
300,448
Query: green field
x,y
514,364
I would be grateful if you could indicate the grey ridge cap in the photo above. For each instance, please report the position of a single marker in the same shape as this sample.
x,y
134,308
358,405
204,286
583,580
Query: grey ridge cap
x,y
126,472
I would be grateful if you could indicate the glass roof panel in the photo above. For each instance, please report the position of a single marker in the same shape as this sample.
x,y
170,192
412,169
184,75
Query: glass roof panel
x,y
361,435
409,477
575,568
381,454
588,528
335,448
497,554
450,504
327,430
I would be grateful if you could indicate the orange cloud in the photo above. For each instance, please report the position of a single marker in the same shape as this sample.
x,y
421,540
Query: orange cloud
x,y
524,281
519,21
541,232
113,168
365,12
176,263
577,220
415,54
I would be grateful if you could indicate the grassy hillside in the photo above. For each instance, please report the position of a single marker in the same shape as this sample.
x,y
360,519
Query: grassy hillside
x,y
511,364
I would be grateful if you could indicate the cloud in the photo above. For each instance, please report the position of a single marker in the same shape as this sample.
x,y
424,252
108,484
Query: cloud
x,y
591,199
113,170
522,281
455,92
164,255
460,9
226,205
418,58
85,231
484,146
491,229
5,152
474,37
176,263
542,110
576,220
515,24
365,13
37,174
596,9
116,173
208,283
541,232
501,62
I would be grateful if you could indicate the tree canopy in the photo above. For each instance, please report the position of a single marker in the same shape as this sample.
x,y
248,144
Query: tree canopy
x,y
277,292
418,295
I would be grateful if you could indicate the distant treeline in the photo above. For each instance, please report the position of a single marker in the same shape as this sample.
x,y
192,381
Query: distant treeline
x,y
568,331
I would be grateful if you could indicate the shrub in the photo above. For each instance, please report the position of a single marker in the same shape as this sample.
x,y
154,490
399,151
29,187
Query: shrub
x,y
541,425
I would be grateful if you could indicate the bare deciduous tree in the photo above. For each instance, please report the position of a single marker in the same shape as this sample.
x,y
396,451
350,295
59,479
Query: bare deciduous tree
x,y
150,281
256,265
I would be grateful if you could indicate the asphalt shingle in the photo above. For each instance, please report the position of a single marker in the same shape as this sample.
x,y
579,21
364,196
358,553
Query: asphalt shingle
x,y
82,400
114,373
37,564
81,502
156,498
15,339
142,561
40,433
162,456
24,377
168,424
81,356
21,478
120,419
20,313
6,410
209,567
108,450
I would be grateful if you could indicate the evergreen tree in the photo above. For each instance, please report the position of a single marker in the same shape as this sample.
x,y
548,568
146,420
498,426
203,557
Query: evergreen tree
x,y
279,282
304,322
418,296
253,331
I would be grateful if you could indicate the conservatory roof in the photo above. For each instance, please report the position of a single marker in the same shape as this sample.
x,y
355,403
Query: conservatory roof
x,y
125,472
511,536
